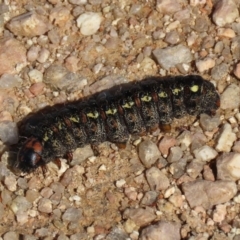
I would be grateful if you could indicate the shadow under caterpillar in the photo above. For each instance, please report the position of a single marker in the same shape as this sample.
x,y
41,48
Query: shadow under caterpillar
x,y
113,115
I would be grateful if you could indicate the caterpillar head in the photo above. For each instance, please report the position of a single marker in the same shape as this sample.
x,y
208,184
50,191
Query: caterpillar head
x,y
30,155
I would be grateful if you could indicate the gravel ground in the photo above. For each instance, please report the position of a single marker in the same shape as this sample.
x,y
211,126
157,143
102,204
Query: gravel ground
x,y
179,185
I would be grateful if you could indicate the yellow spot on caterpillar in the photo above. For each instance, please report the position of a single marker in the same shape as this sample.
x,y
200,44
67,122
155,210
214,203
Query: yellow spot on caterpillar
x,y
74,119
176,91
59,125
46,134
194,88
93,114
111,111
128,105
146,98
162,95
45,138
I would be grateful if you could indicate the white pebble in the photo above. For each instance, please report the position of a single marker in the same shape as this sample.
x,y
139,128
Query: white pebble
x,y
237,199
76,198
92,159
11,183
120,183
226,138
89,23
205,64
170,191
35,76
102,168
205,153
43,55
226,32
228,166
230,98
97,68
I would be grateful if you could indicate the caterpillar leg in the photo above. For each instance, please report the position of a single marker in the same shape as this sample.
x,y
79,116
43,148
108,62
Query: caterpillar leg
x,y
121,145
57,161
95,149
165,127
69,157
44,169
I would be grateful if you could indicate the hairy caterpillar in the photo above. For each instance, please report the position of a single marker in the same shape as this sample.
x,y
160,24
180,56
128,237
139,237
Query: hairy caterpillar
x,y
113,115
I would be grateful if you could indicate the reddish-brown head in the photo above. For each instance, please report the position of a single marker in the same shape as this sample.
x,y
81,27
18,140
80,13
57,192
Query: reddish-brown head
x,y
29,157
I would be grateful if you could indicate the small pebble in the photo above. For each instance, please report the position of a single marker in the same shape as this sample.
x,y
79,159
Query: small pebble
x,y
185,139
20,204
33,53
157,180
219,213
148,153
131,193
29,24
236,147
175,154
5,116
116,233
148,66
72,215
230,98
165,144
168,6
194,168
177,169
220,71
43,55
140,216
172,37
58,77
11,183
171,56
209,123
45,205
41,232
204,65
37,88
205,153
12,54
81,154
35,76
71,63
167,229
176,200
228,166
60,16
170,191
207,194
225,11
197,2
236,71
149,198
219,47
120,183
226,138
22,217
201,24
9,81
10,236
46,192
89,23
9,132
226,32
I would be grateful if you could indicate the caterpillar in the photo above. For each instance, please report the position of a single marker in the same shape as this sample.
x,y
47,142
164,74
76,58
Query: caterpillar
x,y
114,115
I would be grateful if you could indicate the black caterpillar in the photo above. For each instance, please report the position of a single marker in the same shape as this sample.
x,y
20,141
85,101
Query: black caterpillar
x,y
113,115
